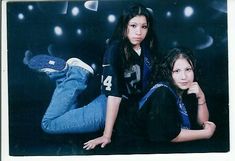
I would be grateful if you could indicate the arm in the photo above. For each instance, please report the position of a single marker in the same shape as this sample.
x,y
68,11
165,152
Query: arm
x,y
203,113
111,115
202,117
111,88
190,135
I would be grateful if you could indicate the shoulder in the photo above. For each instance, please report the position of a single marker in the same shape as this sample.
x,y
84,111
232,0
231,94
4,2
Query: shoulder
x,y
164,88
113,51
164,94
114,47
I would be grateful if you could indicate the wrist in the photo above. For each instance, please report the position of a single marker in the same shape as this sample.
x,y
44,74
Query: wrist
x,y
201,102
107,136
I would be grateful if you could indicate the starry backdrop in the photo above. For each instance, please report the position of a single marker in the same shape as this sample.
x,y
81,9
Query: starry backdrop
x,y
81,29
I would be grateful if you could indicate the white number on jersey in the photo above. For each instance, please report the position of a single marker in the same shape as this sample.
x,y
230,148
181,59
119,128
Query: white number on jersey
x,y
108,83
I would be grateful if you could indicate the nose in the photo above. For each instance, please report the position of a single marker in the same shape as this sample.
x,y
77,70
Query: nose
x,y
138,31
183,75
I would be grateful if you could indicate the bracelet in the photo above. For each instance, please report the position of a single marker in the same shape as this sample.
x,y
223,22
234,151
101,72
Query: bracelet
x,y
202,103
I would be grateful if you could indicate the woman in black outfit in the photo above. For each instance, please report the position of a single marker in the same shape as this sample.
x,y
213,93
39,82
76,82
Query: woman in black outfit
x,y
175,109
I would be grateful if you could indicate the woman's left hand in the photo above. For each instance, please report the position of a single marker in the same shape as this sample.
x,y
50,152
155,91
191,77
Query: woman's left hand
x,y
195,88
103,140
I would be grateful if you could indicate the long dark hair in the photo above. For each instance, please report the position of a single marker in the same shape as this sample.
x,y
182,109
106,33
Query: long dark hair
x,y
164,70
120,31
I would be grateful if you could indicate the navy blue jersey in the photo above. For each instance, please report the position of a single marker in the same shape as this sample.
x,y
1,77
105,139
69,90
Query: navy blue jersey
x,y
119,79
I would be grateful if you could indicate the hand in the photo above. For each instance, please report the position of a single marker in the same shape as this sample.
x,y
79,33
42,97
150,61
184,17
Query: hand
x,y
209,127
195,88
91,144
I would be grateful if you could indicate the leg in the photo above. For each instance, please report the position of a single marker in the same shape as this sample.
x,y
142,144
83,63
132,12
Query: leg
x,y
89,118
62,115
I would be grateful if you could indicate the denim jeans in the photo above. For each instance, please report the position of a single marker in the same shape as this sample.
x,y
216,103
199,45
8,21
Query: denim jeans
x,y
63,115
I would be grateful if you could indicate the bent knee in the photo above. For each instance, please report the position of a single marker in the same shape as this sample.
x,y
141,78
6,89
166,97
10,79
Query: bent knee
x,y
47,127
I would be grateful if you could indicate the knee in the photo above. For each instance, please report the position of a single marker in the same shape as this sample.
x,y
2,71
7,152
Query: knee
x,y
46,127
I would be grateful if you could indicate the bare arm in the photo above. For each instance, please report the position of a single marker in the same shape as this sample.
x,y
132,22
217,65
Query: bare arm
x,y
203,113
111,115
190,135
202,117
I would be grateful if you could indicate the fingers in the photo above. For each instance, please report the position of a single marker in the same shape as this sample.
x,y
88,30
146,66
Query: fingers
x,y
210,128
193,88
90,144
93,143
103,145
209,124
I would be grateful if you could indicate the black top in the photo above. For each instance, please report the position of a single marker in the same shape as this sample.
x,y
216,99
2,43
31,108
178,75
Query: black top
x,y
159,120
119,79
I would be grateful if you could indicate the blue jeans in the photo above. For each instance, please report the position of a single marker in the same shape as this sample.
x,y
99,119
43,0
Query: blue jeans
x,y
63,115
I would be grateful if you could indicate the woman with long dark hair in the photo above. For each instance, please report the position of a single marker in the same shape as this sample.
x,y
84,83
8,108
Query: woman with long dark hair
x,y
127,65
175,109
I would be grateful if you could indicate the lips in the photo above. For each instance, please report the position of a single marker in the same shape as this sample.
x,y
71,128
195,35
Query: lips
x,y
137,38
183,83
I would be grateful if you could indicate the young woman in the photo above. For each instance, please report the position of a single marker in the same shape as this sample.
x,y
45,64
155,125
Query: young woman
x,y
127,65
175,109
126,69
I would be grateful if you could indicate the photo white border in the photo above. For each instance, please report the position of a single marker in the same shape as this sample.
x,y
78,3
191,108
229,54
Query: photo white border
x,y
227,156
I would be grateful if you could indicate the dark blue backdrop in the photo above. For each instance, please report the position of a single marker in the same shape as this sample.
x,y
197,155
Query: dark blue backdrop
x,y
79,29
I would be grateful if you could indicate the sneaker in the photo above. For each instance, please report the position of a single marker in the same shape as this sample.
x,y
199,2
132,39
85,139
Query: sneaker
x,y
80,63
46,63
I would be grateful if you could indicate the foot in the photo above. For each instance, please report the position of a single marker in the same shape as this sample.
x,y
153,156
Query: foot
x,y
80,63
46,63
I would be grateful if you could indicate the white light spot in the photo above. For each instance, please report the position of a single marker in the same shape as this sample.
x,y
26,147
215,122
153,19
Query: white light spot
x,y
79,31
175,43
107,41
30,7
111,18
150,10
21,16
188,11
58,30
75,11
168,14
91,5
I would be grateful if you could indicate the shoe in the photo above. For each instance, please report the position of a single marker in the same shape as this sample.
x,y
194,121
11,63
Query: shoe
x,y
46,63
80,63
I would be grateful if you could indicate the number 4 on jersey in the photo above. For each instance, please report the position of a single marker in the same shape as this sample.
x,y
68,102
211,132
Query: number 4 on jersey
x,y
108,83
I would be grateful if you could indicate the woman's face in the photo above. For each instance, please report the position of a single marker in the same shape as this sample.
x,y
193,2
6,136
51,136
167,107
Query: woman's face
x,y
182,74
137,29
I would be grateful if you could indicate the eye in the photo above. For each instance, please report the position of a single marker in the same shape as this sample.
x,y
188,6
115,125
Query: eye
x,y
133,25
188,69
145,27
176,71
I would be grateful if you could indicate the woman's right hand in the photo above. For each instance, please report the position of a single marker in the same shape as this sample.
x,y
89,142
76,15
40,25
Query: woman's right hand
x,y
91,144
209,128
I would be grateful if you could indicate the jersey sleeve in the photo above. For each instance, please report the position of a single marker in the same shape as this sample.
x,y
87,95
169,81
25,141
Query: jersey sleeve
x,y
163,123
112,78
